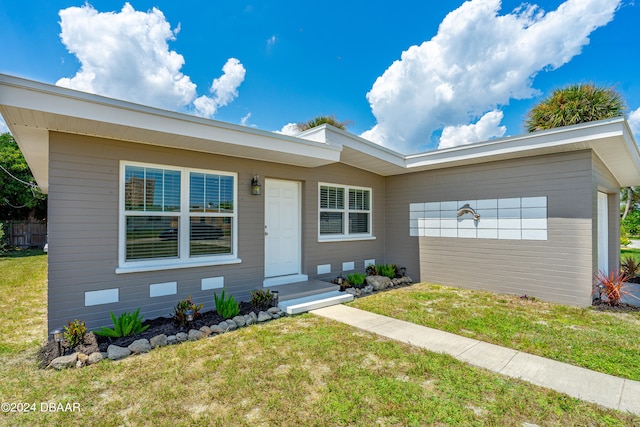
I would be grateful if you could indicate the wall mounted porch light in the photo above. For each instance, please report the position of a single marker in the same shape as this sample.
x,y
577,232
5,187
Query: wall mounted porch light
x,y
275,298
256,187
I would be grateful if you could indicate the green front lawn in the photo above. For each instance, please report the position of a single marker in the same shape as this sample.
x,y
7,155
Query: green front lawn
x,y
601,341
300,370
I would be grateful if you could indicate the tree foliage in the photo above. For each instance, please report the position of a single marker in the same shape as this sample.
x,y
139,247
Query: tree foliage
x,y
320,120
577,103
19,196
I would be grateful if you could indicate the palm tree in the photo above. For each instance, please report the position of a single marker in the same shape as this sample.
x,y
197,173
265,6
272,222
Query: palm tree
x,y
577,103
319,120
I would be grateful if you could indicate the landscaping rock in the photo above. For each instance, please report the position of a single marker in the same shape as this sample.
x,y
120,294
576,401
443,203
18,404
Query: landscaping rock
x,y
115,352
231,325
367,289
181,336
79,364
95,358
352,291
82,358
239,320
273,310
224,326
172,339
378,283
248,320
253,316
158,341
205,330
64,362
195,335
140,346
216,329
397,281
263,316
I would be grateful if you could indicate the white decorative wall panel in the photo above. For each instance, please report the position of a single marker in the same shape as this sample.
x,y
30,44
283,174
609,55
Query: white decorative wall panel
x,y
209,283
163,289
104,296
323,269
522,218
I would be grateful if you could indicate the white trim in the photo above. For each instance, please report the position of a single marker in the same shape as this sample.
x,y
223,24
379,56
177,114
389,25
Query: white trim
x,y
332,239
163,289
345,236
184,258
176,265
104,296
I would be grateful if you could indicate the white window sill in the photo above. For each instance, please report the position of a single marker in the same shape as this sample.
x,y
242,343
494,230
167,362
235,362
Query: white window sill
x,y
173,265
329,239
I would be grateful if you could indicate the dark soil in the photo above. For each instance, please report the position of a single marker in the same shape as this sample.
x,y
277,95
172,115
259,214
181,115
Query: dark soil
x,y
157,326
620,308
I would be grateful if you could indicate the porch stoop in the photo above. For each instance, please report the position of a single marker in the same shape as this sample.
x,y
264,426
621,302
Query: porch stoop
x,y
296,298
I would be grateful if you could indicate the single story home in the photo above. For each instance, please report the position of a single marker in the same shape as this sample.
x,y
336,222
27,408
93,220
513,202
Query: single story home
x,y
148,206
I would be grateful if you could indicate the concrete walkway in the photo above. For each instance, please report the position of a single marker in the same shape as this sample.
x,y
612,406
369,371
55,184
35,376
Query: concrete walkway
x,y
605,390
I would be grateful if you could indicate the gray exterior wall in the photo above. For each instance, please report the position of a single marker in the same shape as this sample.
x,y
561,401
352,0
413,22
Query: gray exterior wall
x,y
557,269
84,214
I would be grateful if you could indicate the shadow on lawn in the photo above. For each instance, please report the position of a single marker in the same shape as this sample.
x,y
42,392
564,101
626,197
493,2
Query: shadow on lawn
x,y
20,253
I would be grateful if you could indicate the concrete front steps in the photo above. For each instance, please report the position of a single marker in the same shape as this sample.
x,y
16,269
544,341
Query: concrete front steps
x,y
300,297
313,302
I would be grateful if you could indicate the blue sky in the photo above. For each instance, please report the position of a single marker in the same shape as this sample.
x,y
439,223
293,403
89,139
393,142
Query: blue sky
x,y
411,75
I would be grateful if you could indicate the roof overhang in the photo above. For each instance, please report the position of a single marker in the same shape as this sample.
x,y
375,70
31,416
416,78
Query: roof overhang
x,y
611,140
31,110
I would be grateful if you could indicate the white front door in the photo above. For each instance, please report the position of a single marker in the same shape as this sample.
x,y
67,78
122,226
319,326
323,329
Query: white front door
x,y
282,228
603,232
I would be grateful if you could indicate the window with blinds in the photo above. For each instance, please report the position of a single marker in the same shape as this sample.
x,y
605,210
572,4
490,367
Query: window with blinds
x,y
177,213
344,211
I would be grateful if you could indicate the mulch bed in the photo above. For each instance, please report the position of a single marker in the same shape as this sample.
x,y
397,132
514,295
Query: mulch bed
x,y
157,326
620,308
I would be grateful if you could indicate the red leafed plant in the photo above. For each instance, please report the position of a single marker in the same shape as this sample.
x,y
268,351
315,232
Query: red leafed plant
x,y
611,286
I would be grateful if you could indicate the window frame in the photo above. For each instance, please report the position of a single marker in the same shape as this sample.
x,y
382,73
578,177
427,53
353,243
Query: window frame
x,y
345,235
184,258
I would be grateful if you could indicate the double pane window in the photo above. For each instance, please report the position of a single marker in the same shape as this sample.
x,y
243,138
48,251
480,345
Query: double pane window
x,y
177,213
344,211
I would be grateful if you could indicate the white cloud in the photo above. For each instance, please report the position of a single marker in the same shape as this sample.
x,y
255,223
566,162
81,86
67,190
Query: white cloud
x,y
634,123
244,121
125,55
223,89
272,40
487,127
476,62
289,129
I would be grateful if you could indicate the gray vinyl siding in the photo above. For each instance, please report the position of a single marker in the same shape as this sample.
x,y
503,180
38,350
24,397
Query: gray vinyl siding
x,y
83,228
603,180
558,269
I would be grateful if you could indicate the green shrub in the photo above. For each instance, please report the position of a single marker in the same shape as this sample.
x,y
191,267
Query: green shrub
x,y
356,279
126,324
624,236
184,305
631,223
74,332
388,270
226,307
261,299
371,270
630,267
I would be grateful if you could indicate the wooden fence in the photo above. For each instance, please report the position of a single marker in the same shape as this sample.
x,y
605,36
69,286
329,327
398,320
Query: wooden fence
x,y
25,234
